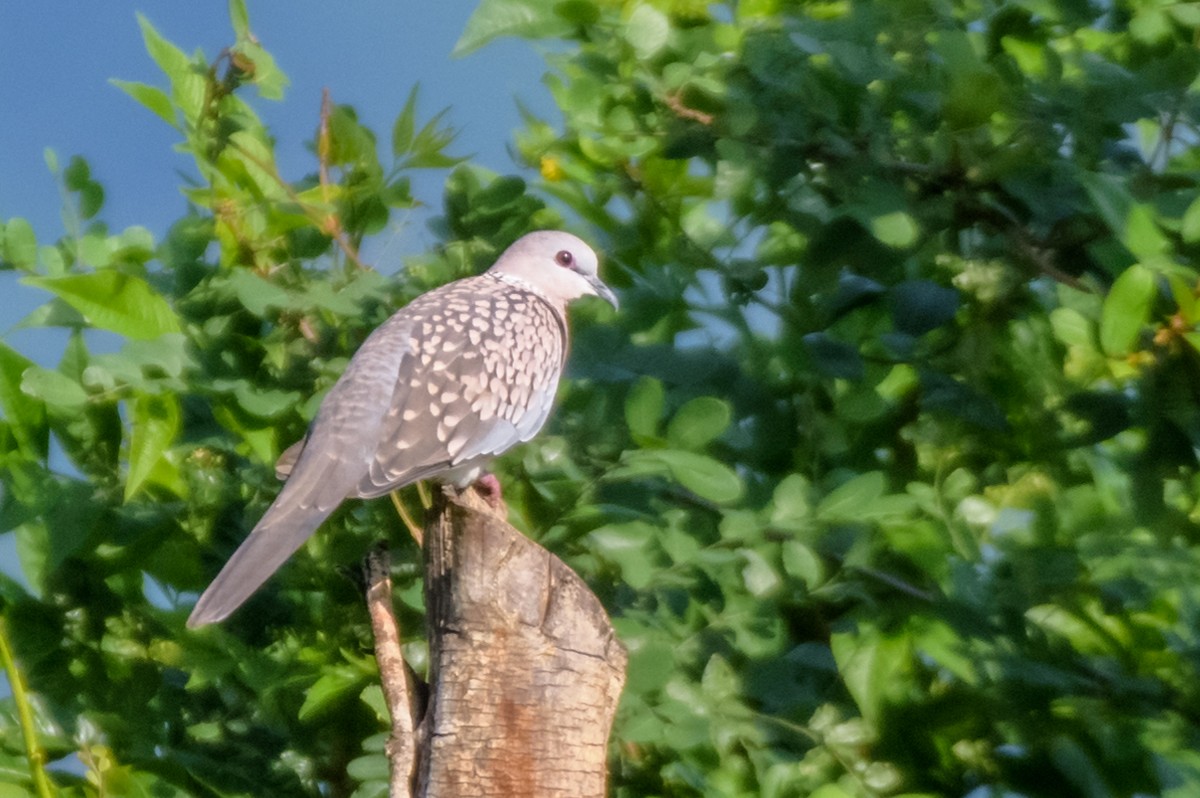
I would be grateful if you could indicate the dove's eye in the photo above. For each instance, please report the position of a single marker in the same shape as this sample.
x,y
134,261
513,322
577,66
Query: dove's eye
x,y
564,259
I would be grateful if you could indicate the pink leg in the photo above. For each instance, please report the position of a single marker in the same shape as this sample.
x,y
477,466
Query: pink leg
x,y
489,488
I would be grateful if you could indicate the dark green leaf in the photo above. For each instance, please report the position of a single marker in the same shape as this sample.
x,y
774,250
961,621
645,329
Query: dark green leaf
x,y
919,306
834,358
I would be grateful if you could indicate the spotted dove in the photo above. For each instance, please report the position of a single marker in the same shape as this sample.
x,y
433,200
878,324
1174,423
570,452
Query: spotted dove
x,y
459,375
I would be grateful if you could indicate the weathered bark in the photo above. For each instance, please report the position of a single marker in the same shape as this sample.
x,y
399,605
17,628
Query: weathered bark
x,y
525,670
394,675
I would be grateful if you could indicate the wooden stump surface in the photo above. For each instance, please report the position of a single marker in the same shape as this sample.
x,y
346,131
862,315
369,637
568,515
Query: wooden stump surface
x,y
525,669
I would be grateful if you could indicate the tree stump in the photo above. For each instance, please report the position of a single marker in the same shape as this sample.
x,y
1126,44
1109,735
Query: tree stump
x,y
525,670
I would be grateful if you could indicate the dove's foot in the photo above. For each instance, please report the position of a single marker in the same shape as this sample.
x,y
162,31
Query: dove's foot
x,y
488,487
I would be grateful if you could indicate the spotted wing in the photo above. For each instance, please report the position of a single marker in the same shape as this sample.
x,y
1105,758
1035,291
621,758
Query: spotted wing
x,y
482,379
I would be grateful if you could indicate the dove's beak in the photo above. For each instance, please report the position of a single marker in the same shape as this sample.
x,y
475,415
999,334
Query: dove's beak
x,y
603,291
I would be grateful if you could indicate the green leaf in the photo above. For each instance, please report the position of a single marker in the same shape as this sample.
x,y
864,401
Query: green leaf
x,y
1072,327
110,300
239,18
1134,223
493,19
1183,290
647,30
1126,310
832,357
170,59
699,422
790,507
625,546
188,82
338,683
801,562
898,229
257,294
54,388
370,768
921,306
578,12
65,525
1189,226
264,403
427,149
405,125
644,408
155,421
871,665
18,246
829,791
26,416
760,577
702,475
846,502
77,178
259,440
651,665
267,77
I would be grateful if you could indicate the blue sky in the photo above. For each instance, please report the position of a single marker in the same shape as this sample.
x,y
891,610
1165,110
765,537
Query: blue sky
x,y
56,60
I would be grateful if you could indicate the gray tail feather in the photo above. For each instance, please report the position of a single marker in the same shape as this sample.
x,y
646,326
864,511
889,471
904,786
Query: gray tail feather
x,y
276,537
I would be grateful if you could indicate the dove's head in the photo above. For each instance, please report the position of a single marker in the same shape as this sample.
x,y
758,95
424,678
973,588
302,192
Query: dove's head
x,y
555,264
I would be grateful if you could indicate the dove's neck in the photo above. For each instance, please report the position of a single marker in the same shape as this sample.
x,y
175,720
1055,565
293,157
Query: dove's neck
x,y
519,282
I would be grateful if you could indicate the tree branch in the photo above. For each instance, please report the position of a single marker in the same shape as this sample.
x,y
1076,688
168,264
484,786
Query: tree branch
x,y
393,673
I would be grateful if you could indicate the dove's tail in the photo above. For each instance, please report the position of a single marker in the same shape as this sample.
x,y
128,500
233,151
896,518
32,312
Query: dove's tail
x,y
276,537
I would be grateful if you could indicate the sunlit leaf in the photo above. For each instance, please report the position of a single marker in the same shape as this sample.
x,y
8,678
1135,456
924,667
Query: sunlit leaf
x,y
871,665
647,30
155,421
54,388
643,409
337,684
18,245
625,545
26,415
493,19
111,300
1126,310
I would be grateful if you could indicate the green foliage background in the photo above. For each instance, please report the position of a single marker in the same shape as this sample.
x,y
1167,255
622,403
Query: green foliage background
x,y
886,471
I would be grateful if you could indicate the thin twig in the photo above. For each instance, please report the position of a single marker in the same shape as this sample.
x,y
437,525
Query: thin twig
x,y
414,529
896,582
323,222
393,674
324,143
33,751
